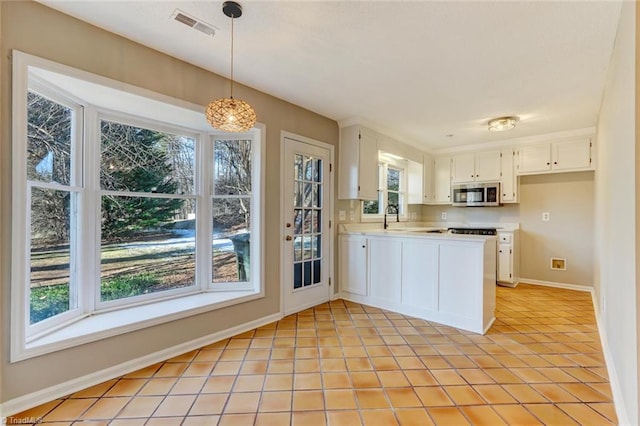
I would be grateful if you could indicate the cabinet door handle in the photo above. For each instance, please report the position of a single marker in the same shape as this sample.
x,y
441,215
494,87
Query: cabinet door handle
x,y
555,162
548,163
364,246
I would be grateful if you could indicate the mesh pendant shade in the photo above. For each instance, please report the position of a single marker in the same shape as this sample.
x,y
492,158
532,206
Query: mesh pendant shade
x,y
230,115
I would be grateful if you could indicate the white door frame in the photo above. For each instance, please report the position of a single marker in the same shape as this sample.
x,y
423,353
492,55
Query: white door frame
x,y
284,134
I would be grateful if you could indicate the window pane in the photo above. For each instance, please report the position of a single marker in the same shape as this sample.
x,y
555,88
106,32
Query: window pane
x,y
231,239
393,179
49,140
394,199
141,160
370,207
147,246
51,236
232,167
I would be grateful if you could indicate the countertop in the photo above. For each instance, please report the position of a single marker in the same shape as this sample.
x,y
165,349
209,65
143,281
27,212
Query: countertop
x,y
422,229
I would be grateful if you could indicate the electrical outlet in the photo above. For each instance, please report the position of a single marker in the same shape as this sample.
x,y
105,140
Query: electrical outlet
x,y
342,215
414,215
546,216
352,215
443,215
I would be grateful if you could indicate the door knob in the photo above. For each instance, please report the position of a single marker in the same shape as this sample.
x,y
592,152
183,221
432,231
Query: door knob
x,y
288,238
288,225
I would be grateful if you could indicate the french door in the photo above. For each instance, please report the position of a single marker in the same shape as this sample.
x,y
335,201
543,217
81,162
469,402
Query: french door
x,y
306,233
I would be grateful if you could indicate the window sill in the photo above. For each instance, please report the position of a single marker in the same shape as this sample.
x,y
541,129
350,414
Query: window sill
x,y
113,323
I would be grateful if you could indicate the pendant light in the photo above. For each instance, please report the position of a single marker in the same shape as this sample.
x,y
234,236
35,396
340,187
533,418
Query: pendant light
x,y
229,114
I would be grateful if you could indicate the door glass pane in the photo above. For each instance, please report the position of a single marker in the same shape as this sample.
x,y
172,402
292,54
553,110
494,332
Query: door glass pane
x,y
316,272
297,275
52,229
297,221
318,171
307,220
297,249
297,187
307,273
147,245
308,168
309,195
317,193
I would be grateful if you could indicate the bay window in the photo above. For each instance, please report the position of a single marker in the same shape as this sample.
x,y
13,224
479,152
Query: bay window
x,y
113,210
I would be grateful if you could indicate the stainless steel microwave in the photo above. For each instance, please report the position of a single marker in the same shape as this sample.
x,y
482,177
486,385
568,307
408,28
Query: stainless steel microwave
x,y
476,194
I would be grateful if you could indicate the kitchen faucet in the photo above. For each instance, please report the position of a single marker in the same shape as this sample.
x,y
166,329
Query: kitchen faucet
x,y
396,208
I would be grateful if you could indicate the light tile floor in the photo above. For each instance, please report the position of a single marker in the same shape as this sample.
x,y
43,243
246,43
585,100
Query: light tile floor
x,y
342,363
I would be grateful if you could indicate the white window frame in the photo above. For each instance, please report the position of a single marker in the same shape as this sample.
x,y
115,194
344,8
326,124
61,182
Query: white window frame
x,y
383,194
93,319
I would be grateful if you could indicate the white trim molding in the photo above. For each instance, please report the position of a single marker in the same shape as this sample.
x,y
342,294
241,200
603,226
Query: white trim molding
x,y
17,405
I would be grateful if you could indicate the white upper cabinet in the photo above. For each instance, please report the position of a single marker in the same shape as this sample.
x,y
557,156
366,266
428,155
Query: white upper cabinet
x,y
415,180
358,164
427,175
442,180
463,168
534,159
561,156
508,178
481,166
571,155
488,166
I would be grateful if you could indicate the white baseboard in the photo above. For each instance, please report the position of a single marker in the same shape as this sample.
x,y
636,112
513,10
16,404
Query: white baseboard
x,y
616,389
17,405
567,286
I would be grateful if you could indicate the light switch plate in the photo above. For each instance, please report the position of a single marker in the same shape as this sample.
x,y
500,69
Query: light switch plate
x,y
342,215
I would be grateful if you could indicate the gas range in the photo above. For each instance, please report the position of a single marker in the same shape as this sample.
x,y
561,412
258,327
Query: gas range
x,y
473,231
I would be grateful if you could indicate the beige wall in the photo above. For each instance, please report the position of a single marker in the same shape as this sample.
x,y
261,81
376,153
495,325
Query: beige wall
x,y
569,198
38,30
617,215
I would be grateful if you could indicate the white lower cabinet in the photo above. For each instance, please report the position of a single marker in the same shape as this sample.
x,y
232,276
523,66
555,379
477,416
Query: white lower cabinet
x,y
447,280
454,297
420,274
385,263
508,258
353,264
505,266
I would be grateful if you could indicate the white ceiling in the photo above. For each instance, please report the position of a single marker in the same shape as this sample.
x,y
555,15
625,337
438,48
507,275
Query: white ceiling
x,y
418,70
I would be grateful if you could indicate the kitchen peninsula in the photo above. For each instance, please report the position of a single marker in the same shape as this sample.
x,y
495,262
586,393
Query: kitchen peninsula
x,y
440,277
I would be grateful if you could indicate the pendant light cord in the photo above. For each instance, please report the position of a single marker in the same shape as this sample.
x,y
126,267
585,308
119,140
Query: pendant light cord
x,y
232,18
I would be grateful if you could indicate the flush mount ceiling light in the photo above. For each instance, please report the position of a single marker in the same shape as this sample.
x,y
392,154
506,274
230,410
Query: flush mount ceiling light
x,y
502,123
229,114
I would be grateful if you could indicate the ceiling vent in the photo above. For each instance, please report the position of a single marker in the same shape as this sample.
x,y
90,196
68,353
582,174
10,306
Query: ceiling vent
x,y
194,23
